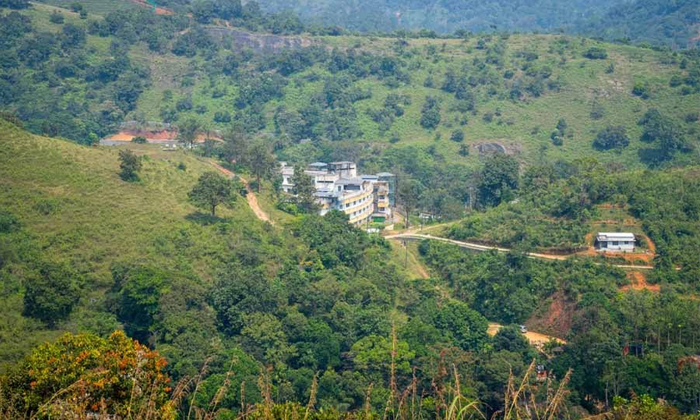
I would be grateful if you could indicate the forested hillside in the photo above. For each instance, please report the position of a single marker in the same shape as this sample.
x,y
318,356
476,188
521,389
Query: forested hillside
x,y
140,281
84,250
657,22
446,16
427,108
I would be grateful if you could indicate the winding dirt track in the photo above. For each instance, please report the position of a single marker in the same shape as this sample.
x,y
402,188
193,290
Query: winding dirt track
x,y
479,247
250,195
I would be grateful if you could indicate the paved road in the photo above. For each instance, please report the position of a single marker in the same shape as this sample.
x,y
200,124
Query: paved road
x,y
479,247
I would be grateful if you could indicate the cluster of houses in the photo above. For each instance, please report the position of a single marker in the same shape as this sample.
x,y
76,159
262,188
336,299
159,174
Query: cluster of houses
x,y
363,198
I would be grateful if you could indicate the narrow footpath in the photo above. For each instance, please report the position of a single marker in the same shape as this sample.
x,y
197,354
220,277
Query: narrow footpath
x,y
250,195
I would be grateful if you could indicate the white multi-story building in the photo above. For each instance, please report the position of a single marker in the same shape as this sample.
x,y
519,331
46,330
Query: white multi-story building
x,y
338,187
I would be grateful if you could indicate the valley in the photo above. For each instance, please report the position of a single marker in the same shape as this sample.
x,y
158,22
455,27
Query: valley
x,y
216,210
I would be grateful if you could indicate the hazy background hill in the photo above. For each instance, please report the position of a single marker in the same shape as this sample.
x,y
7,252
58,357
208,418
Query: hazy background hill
x,y
673,23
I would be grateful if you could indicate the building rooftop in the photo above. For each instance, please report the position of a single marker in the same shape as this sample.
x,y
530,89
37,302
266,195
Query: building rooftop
x,y
350,181
385,174
615,236
318,165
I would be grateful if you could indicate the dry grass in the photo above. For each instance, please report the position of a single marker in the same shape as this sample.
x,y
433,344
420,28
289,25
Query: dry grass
x,y
520,402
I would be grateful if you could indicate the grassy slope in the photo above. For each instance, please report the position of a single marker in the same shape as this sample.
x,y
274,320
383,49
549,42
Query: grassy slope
x,y
524,124
584,82
99,219
95,6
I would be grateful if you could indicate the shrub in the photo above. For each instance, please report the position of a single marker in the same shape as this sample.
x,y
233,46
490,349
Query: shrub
x,y
612,137
8,222
597,111
51,294
222,117
457,136
557,140
641,89
139,140
56,18
430,114
596,53
130,165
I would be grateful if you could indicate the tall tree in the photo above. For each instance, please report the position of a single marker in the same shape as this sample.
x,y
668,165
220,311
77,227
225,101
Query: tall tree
x,y
187,132
409,194
499,178
130,165
304,190
262,162
212,190
235,146
137,292
51,294
430,114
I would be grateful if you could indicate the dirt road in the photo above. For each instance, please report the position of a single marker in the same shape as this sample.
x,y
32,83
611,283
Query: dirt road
x,y
250,195
479,247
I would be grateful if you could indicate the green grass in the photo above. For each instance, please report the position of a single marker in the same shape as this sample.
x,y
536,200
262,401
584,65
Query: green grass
x,y
100,7
524,125
96,219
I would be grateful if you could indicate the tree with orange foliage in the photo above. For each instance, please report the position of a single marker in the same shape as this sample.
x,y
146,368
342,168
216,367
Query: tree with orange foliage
x,y
83,375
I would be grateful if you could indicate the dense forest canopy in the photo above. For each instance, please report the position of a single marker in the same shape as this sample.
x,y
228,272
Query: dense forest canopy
x,y
181,283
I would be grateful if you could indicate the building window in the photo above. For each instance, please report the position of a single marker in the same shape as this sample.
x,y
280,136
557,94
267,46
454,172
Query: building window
x,y
615,243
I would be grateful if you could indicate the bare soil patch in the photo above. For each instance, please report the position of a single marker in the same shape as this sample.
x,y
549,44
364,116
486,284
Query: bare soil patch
x,y
557,319
536,339
638,281
153,136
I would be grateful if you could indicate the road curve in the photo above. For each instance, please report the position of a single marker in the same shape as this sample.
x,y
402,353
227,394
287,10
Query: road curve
x,y
479,247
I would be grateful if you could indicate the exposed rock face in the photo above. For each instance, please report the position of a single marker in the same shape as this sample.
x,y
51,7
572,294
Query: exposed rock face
x,y
264,43
496,146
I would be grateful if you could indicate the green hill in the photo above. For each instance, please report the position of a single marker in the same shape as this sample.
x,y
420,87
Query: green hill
x,y
514,89
656,22
592,135
72,208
